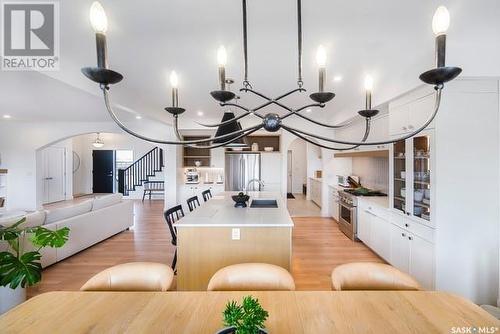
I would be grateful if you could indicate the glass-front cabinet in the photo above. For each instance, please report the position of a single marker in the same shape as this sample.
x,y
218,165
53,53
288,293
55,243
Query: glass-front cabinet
x,y
412,176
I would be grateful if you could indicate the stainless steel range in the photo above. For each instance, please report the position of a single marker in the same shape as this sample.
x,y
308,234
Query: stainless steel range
x,y
348,209
348,216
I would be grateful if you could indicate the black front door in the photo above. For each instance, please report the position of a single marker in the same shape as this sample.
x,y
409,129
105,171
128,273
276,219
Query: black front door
x,y
103,171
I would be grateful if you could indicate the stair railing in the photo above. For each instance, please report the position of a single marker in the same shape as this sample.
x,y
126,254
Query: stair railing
x,y
140,171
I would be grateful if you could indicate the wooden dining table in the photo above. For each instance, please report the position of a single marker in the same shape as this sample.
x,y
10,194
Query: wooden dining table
x,y
289,312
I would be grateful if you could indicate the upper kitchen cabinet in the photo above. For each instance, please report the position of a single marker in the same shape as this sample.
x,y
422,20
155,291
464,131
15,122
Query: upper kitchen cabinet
x,y
378,131
411,180
411,111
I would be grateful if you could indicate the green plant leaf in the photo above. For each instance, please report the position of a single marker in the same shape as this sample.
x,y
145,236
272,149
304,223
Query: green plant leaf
x,y
25,271
247,318
43,237
12,232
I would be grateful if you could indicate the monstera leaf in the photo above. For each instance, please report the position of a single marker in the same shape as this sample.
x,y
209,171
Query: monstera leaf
x,y
24,271
43,237
12,232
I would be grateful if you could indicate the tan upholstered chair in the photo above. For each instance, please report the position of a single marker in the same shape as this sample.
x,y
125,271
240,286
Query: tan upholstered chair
x,y
134,276
371,276
251,277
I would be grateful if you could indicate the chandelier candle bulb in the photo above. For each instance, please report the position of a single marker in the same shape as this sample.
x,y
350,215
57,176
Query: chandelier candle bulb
x,y
440,24
321,61
369,90
174,82
99,22
221,60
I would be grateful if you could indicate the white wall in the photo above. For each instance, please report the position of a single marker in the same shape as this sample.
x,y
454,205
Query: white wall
x,y
373,172
112,141
299,164
19,142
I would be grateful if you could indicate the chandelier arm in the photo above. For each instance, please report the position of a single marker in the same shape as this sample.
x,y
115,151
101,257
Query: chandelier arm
x,y
272,101
299,42
225,122
296,112
365,136
429,120
158,141
339,126
246,133
241,107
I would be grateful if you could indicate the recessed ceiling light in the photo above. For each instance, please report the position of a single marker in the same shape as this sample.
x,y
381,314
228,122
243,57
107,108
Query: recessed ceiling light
x,y
200,113
7,116
337,78
309,110
138,117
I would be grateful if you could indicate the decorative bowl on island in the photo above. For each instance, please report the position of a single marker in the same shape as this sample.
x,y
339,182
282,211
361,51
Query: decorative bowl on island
x,y
240,200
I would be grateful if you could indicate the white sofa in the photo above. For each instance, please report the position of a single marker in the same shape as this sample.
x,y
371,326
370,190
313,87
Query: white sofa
x,y
90,222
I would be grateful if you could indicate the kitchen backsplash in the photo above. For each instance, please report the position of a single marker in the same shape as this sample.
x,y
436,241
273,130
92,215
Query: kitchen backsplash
x,y
373,172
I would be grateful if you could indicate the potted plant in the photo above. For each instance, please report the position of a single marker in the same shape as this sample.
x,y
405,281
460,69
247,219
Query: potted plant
x,y
20,267
247,318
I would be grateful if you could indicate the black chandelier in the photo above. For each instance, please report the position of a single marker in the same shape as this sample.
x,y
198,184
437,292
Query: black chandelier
x,y
229,132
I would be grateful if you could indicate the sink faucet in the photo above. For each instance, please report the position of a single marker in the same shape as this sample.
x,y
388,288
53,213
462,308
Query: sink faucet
x,y
260,182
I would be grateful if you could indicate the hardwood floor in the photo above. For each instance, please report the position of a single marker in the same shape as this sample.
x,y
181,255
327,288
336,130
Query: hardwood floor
x,y
318,246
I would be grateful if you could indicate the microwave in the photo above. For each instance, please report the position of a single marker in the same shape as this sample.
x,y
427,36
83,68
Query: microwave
x,y
342,180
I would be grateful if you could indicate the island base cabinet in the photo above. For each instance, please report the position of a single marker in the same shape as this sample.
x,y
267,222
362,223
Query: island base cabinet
x,y
202,251
413,255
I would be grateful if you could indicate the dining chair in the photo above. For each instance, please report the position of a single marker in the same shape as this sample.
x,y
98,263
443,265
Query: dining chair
x,y
193,203
251,277
371,276
133,276
171,216
207,194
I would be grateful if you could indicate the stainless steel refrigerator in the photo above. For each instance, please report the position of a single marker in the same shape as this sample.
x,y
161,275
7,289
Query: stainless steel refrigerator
x,y
241,168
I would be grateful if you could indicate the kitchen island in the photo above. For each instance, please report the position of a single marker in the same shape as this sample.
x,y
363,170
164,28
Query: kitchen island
x,y
217,234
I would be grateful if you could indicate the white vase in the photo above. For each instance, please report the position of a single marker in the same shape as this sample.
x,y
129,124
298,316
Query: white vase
x,y
11,297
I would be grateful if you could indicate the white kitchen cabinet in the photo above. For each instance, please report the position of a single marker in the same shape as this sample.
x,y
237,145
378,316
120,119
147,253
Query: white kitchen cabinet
x,y
315,189
411,111
364,226
334,203
380,236
217,159
412,177
190,190
271,171
400,248
422,261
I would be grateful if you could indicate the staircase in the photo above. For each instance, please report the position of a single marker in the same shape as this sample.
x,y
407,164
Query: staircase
x,y
143,170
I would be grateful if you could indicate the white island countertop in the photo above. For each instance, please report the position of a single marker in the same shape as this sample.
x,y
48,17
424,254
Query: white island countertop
x,y
219,211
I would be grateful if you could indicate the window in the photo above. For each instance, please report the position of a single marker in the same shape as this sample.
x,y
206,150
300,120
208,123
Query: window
x,y
124,156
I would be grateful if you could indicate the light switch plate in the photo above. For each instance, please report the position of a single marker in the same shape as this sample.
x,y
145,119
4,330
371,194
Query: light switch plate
x,y
235,234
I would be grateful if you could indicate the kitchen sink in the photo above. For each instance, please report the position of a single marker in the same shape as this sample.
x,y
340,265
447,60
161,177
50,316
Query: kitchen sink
x,y
264,203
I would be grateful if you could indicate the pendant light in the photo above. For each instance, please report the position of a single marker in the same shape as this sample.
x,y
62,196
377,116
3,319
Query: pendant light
x,y
98,143
228,128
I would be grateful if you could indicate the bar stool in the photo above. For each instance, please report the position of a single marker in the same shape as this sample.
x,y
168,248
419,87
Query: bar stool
x,y
133,276
207,194
171,216
251,277
371,276
193,203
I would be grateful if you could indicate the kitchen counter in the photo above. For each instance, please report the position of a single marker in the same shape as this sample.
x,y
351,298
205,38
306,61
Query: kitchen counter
x,y
381,201
220,212
217,234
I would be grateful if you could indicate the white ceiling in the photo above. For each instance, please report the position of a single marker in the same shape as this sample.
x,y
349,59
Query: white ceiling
x,y
390,39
